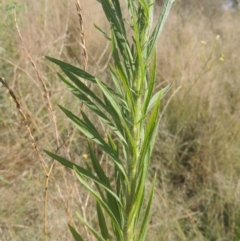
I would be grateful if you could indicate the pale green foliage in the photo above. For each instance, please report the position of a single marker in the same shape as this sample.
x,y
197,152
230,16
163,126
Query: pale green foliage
x,y
125,110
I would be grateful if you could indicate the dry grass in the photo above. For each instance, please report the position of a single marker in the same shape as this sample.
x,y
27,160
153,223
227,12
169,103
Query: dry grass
x,y
197,156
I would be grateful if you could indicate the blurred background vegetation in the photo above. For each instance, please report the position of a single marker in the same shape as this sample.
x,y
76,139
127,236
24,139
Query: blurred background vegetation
x,y
197,196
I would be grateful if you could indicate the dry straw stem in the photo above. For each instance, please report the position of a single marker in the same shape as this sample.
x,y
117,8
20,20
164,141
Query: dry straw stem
x,y
84,61
35,147
47,100
82,36
82,43
25,122
42,82
49,106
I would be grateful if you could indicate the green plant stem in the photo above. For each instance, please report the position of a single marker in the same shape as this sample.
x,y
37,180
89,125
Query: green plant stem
x,y
127,112
132,171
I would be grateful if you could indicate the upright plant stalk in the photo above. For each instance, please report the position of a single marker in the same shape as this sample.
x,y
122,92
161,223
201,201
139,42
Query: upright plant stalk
x,y
131,112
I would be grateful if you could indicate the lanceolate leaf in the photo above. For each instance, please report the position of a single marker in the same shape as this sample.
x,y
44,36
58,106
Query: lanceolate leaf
x,y
119,15
140,187
110,98
102,223
77,71
127,87
114,105
75,234
116,80
92,134
97,167
102,176
150,84
153,120
83,88
139,74
101,202
89,132
159,27
84,172
84,98
160,94
93,107
145,221
90,228
102,32
120,123
116,25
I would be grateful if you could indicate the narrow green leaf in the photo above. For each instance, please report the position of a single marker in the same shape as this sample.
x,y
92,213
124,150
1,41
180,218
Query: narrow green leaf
x,y
140,187
150,84
120,16
110,98
159,26
102,223
102,32
144,225
97,167
77,71
111,143
101,202
114,107
140,73
154,99
151,126
79,94
121,123
101,174
127,87
112,12
84,172
166,89
91,105
153,138
111,15
86,129
89,130
82,87
95,136
90,228
89,123
160,94
150,18
75,234
138,200
116,80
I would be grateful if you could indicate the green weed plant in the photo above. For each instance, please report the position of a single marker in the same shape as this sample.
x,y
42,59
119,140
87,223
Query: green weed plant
x,y
131,111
